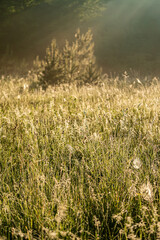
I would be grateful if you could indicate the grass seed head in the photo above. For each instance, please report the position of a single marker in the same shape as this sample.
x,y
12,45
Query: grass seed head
x,y
146,191
137,163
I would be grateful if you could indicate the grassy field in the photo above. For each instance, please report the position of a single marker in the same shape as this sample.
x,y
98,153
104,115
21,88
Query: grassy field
x,y
80,163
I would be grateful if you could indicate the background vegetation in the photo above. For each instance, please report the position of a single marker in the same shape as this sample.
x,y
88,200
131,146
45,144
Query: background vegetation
x,y
126,32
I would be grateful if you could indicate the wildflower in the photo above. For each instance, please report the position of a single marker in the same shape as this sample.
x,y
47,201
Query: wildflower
x,y
18,97
137,163
146,191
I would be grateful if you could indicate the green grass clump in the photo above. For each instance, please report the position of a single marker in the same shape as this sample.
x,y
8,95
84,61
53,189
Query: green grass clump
x,y
79,163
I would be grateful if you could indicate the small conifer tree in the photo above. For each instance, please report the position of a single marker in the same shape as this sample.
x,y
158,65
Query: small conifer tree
x,y
75,63
49,71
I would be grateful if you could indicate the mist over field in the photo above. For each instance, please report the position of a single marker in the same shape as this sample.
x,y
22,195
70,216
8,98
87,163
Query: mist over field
x,y
126,33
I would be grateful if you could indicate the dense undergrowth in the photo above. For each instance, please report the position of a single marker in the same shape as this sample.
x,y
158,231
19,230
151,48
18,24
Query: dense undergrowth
x,y
79,162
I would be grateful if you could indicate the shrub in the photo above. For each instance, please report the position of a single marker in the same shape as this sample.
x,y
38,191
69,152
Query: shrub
x,y
75,63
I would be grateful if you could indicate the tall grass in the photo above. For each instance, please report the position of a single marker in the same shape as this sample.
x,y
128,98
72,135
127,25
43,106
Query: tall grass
x,y
79,163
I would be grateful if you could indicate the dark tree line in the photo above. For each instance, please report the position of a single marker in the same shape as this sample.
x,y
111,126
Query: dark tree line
x,y
11,7
21,20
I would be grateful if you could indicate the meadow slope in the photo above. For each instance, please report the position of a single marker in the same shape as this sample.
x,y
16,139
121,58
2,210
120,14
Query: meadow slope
x,y
79,163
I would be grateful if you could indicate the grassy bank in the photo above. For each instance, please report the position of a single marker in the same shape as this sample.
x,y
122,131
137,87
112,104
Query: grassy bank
x,y
79,163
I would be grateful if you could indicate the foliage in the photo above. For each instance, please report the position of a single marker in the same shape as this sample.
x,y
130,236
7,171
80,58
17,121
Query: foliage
x,y
75,63
79,163
11,7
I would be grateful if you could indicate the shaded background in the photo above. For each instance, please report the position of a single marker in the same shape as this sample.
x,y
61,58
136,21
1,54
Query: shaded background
x,y
126,34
